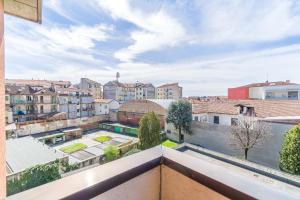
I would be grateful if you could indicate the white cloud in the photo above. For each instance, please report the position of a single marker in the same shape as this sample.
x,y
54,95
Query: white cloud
x,y
47,50
62,51
156,29
214,76
246,21
75,37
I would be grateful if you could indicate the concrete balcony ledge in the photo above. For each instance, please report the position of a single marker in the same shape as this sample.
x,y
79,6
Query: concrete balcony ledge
x,y
162,173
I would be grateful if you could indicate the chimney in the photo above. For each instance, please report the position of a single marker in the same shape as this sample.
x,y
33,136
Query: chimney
x,y
288,81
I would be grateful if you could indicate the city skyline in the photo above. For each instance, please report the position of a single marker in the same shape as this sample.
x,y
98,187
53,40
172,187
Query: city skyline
x,y
206,47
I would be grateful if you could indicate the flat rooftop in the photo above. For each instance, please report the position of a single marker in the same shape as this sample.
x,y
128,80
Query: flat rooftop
x,y
25,152
94,148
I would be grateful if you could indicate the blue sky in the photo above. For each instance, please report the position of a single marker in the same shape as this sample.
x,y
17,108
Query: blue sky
x,y
206,46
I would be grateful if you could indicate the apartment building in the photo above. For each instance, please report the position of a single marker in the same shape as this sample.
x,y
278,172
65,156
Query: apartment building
x,y
280,90
93,86
86,102
123,92
144,91
76,102
112,90
45,101
31,102
169,91
67,102
28,103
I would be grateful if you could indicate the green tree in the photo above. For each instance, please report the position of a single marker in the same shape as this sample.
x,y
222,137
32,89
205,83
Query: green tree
x,y
289,160
111,153
34,176
180,115
149,131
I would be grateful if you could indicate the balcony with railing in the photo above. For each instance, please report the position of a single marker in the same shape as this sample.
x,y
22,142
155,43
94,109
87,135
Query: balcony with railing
x,y
21,101
164,174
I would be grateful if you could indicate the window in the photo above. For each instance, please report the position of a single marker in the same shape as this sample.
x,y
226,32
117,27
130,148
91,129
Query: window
x,y
269,95
53,108
53,99
216,119
28,98
41,99
42,109
293,95
196,118
6,98
234,121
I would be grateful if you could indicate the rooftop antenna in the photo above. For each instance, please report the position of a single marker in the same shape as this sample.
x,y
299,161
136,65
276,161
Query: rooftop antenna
x,y
117,76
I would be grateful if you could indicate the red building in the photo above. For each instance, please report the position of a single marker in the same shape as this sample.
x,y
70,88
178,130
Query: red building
x,y
239,93
242,92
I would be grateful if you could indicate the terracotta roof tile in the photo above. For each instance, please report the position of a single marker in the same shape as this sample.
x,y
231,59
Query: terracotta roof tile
x,y
262,108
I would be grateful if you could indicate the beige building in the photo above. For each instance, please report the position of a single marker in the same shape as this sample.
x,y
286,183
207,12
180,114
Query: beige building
x,y
93,86
169,91
25,103
123,92
144,91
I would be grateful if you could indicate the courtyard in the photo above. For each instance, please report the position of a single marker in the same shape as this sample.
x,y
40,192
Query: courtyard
x,y
89,149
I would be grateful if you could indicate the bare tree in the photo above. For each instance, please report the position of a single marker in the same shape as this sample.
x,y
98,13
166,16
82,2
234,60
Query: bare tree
x,y
249,133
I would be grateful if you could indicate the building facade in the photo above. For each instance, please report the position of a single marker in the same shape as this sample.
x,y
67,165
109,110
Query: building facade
x,y
105,106
280,90
29,103
93,86
68,102
144,91
169,91
76,102
123,92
